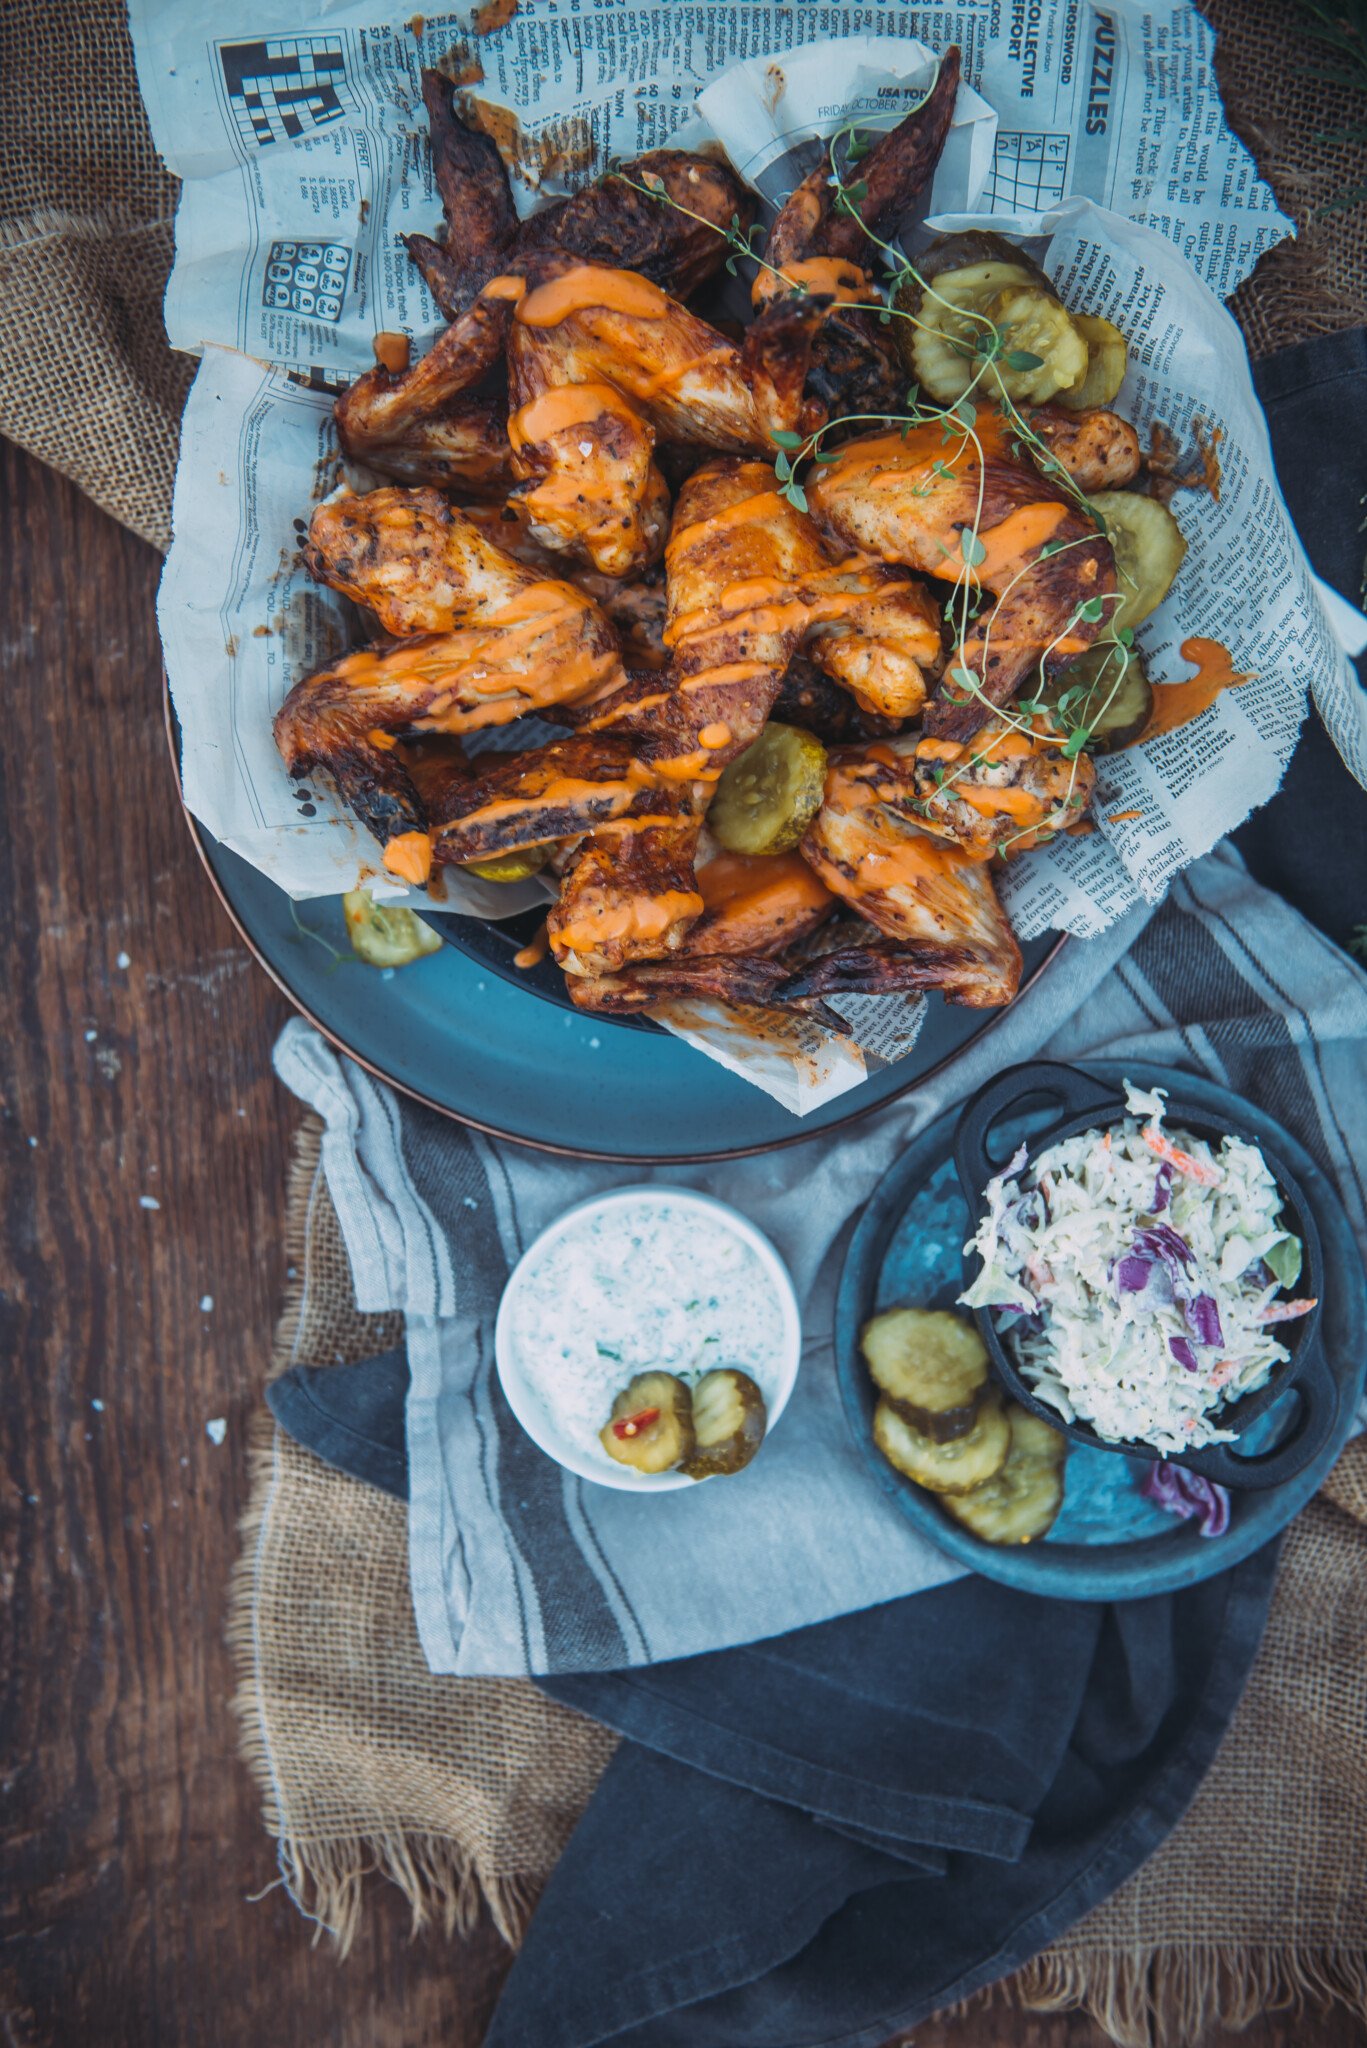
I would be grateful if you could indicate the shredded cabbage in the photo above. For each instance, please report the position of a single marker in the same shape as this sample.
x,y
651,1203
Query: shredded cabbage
x,y
1129,1274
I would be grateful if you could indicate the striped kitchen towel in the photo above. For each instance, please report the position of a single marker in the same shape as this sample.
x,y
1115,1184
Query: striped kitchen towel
x,y
519,1567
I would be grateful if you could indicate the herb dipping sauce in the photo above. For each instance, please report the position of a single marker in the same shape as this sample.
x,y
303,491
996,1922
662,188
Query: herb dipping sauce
x,y
652,1280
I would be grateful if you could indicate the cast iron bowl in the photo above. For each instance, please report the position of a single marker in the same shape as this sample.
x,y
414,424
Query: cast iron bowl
x,y
1086,1104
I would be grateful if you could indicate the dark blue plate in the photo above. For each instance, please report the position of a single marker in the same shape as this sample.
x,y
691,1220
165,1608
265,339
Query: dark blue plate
x,y
1108,1543
457,1032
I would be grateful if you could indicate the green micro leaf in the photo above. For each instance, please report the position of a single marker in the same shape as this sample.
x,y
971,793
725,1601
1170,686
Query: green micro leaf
x,y
786,438
1075,742
967,413
796,497
1092,611
783,468
1022,359
965,678
1126,636
971,548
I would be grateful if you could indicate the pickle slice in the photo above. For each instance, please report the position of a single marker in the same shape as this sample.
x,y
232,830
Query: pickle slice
x,y
1107,690
510,867
385,934
1148,547
729,1420
1022,1500
939,341
1042,350
769,795
651,1425
1107,354
930,1366
954,1467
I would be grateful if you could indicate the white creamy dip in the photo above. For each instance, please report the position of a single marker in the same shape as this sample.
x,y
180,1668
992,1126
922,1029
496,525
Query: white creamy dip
x,y
652,1281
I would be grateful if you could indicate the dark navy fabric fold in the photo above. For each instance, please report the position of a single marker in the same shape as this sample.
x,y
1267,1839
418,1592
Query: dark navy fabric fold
x,y
635,1939
932,1720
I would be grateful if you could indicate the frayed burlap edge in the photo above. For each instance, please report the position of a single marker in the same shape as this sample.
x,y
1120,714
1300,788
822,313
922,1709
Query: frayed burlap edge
x,y
1177,1995
444,1881
325,1874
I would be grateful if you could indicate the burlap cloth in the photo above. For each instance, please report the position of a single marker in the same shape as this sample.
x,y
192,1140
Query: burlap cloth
x,y
464,1791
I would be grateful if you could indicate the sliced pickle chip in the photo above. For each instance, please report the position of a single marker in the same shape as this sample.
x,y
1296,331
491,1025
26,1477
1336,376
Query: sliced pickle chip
x,y
1148,547
1042,350
1107,690
1035,322
651,1425
729,1420
769,795
938,342
930,1366
1107,354
385,934
954,1467
510,867
1022,1500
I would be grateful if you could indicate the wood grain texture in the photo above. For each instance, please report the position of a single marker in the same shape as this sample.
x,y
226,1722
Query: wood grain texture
x,y
132,1839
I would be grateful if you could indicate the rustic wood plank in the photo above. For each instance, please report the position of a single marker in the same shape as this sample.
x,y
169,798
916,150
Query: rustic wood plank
x,y
135,1036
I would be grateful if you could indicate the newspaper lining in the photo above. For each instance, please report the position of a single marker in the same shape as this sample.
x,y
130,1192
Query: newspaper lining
x,y
305,154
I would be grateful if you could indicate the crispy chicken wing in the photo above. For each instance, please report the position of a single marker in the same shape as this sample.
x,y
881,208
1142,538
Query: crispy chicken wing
x,y
610,221
1098,449
910,497
495,640
936,900
816,248
428,423
995,795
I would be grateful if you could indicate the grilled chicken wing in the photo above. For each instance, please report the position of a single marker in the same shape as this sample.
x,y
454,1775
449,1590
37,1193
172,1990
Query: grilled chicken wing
x,y
428,423
997,794
936,900
814,248
1098,449
610,221
910,497
634,604
495,640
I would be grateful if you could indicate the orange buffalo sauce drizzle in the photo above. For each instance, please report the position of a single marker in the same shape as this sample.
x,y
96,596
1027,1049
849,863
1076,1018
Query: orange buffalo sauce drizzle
x,y
391,352
531,650
635,917
1176,704
754,510
592,286
410,857
1022,532
735,884
833,277
513,288
563,406
1008,800
534,951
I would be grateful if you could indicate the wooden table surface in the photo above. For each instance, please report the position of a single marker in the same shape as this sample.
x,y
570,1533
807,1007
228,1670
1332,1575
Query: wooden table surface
x,y
144,1144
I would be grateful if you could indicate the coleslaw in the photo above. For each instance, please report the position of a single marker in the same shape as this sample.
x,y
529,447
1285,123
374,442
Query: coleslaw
x,y
1135,1276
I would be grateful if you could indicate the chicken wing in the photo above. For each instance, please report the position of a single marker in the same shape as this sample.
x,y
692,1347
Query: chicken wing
x,y
997,794
611,221
1099,450
817,248
602,364
911,496
494,640
935,899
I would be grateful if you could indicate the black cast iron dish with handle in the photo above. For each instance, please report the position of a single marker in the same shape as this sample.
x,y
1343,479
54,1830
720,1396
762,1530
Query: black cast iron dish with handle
x,y
1088,1104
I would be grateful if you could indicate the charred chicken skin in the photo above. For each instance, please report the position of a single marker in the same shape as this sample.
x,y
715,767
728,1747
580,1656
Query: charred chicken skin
x,y
815,249
611,221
